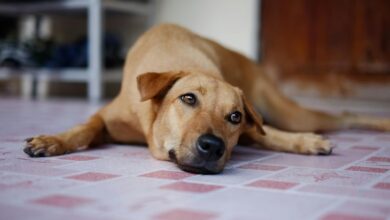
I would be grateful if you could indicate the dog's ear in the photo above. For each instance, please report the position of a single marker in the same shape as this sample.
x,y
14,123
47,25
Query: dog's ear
x,y
155,85
252,117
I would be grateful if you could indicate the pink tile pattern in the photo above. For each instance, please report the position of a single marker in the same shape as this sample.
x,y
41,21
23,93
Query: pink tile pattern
x,y
361,209
352,192
125,182
192,187
78,157
272,184
368,169
325,176
341,216
185,214
264,167
92,176
379,159
369,148
166,174
62,201
381,185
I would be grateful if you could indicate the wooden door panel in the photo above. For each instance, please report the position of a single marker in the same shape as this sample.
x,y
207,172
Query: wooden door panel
x,y
372,36
328,41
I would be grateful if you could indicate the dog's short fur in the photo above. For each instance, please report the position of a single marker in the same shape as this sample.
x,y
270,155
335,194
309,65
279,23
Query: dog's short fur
x,y
168,62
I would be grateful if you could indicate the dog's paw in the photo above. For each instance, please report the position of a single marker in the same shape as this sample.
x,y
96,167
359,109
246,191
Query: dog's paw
x,y
309,143
384,125
44,146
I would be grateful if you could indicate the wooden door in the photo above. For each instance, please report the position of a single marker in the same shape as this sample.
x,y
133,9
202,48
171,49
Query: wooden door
x,y
339,47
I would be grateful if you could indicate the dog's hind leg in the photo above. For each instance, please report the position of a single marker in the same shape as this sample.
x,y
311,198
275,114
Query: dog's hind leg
x,y
76,138
283,113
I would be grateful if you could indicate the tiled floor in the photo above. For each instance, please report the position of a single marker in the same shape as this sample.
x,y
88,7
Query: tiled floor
x,y
124,182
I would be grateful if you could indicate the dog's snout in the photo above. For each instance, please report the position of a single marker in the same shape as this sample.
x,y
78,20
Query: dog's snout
x,y
210,147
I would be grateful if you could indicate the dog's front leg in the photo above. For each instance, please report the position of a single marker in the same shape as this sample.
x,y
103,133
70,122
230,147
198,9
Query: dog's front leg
x,y
302,143
78,137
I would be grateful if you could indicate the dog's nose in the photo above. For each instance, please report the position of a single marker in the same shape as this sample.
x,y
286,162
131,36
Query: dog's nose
x,y
210,147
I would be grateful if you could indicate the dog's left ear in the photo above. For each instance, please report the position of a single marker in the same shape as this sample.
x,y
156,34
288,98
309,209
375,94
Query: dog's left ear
x,y
154,85
252,117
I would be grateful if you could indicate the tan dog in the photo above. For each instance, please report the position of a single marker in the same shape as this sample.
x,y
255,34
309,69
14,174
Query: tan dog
x,y
190,100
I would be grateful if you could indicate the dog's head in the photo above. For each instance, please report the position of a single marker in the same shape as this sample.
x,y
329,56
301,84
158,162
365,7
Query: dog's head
x,y
198,118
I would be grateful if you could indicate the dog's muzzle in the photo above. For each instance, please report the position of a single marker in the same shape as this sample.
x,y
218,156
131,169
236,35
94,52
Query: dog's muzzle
x,y
209,150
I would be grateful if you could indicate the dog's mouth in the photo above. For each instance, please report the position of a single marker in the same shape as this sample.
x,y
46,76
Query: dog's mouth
x,y
195,167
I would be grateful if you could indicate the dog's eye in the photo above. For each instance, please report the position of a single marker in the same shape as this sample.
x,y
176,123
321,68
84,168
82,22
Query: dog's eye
x,y
188,98
234,117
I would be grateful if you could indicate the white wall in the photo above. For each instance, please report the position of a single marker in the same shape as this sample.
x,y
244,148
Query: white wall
x,y
233,23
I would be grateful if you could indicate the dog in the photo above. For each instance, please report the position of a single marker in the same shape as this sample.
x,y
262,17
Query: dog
x,y
192,100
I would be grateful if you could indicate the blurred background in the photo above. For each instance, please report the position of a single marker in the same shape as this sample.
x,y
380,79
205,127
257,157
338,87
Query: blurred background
x,y
311,48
